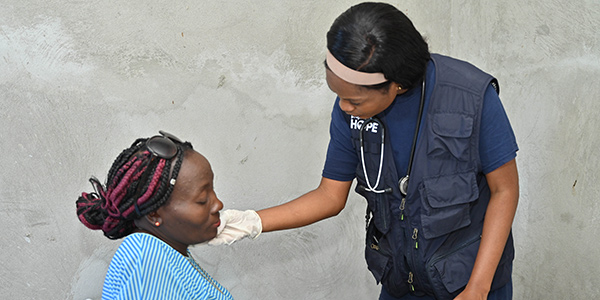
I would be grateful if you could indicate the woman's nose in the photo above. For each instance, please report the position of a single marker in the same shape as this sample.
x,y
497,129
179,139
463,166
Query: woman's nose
x,y
217,206
346,106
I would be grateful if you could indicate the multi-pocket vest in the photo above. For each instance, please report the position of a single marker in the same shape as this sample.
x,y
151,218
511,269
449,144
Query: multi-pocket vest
x,y
427,244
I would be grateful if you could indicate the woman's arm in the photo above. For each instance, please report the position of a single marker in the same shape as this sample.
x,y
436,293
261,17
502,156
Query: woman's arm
x,y
504,188
327,200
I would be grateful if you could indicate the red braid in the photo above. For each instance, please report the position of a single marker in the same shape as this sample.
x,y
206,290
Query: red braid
x,y
154,183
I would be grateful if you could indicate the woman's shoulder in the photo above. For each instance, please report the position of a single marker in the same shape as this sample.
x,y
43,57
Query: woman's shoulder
x,y
140,251
138,240
144,265
140,237
145,245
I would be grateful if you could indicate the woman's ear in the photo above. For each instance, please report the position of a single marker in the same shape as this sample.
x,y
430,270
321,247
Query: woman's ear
x,y
154,218
397,88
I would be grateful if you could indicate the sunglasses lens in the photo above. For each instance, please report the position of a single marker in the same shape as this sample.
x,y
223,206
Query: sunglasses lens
x,y
162,147
170,136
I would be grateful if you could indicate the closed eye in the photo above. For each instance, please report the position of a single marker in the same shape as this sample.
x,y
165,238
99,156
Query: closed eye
x,y
353,102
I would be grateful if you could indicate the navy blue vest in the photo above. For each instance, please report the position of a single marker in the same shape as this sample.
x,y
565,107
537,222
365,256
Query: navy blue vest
x,y
427,244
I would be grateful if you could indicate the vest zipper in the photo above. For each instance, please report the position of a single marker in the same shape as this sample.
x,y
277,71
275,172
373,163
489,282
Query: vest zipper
x,y
402,205
413,280
415,236
410,281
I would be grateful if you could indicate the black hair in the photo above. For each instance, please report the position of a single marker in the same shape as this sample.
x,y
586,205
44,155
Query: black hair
x,y
376,37
138,183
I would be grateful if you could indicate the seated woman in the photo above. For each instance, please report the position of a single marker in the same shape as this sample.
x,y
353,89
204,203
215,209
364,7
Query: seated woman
x,y
159,196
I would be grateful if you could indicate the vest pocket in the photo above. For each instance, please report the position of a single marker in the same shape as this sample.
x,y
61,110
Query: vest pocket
x,y
378,205
446,203
453,270
452,132
381,263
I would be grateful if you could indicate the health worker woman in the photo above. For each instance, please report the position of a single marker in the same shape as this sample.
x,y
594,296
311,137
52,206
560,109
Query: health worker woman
x,y
433,153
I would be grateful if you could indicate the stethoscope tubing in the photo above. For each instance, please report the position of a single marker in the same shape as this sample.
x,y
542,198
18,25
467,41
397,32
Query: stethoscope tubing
x,y
362,155
403,184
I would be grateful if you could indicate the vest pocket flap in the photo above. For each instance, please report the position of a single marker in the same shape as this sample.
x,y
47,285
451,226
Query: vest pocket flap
x,y
376,263
453,125
455,269
381,262
446,201
377,253
451,190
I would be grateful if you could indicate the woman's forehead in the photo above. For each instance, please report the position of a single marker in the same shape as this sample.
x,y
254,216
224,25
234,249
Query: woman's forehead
x,y
344,89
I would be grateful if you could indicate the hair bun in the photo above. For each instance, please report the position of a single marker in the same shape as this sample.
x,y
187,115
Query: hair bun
x,y
90,211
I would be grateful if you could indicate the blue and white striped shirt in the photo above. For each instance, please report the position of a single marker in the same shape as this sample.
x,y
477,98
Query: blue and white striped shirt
x,y
145,267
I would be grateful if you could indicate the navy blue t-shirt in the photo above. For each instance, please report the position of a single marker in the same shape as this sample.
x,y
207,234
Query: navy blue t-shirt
x,y
497,143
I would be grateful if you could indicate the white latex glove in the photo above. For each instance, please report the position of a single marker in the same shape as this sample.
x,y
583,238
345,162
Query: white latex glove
x,y
236,225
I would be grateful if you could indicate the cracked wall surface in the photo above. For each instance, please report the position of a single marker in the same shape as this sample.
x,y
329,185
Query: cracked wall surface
x,y
244,82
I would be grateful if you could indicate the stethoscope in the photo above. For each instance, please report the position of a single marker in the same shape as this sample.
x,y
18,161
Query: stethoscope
x,y
403,182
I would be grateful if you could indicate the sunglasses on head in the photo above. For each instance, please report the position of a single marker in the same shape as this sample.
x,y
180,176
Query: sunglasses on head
x,y
163,146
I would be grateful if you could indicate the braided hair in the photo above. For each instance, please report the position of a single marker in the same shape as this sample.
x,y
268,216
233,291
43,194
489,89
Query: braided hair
x,y
138,183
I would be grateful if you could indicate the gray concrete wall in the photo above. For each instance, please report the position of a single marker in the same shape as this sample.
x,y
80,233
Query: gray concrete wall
x,y
244,81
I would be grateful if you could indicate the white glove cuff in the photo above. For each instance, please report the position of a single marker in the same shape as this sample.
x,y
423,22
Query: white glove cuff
x,y
256,228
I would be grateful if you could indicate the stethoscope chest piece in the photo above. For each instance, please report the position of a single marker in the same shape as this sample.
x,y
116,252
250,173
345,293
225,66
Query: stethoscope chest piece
x,y
403,185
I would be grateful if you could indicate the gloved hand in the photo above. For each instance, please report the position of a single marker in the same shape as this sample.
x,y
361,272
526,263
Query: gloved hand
x,y
236,225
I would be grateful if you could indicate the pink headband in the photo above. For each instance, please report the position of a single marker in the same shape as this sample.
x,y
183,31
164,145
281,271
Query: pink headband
x,y
353,76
